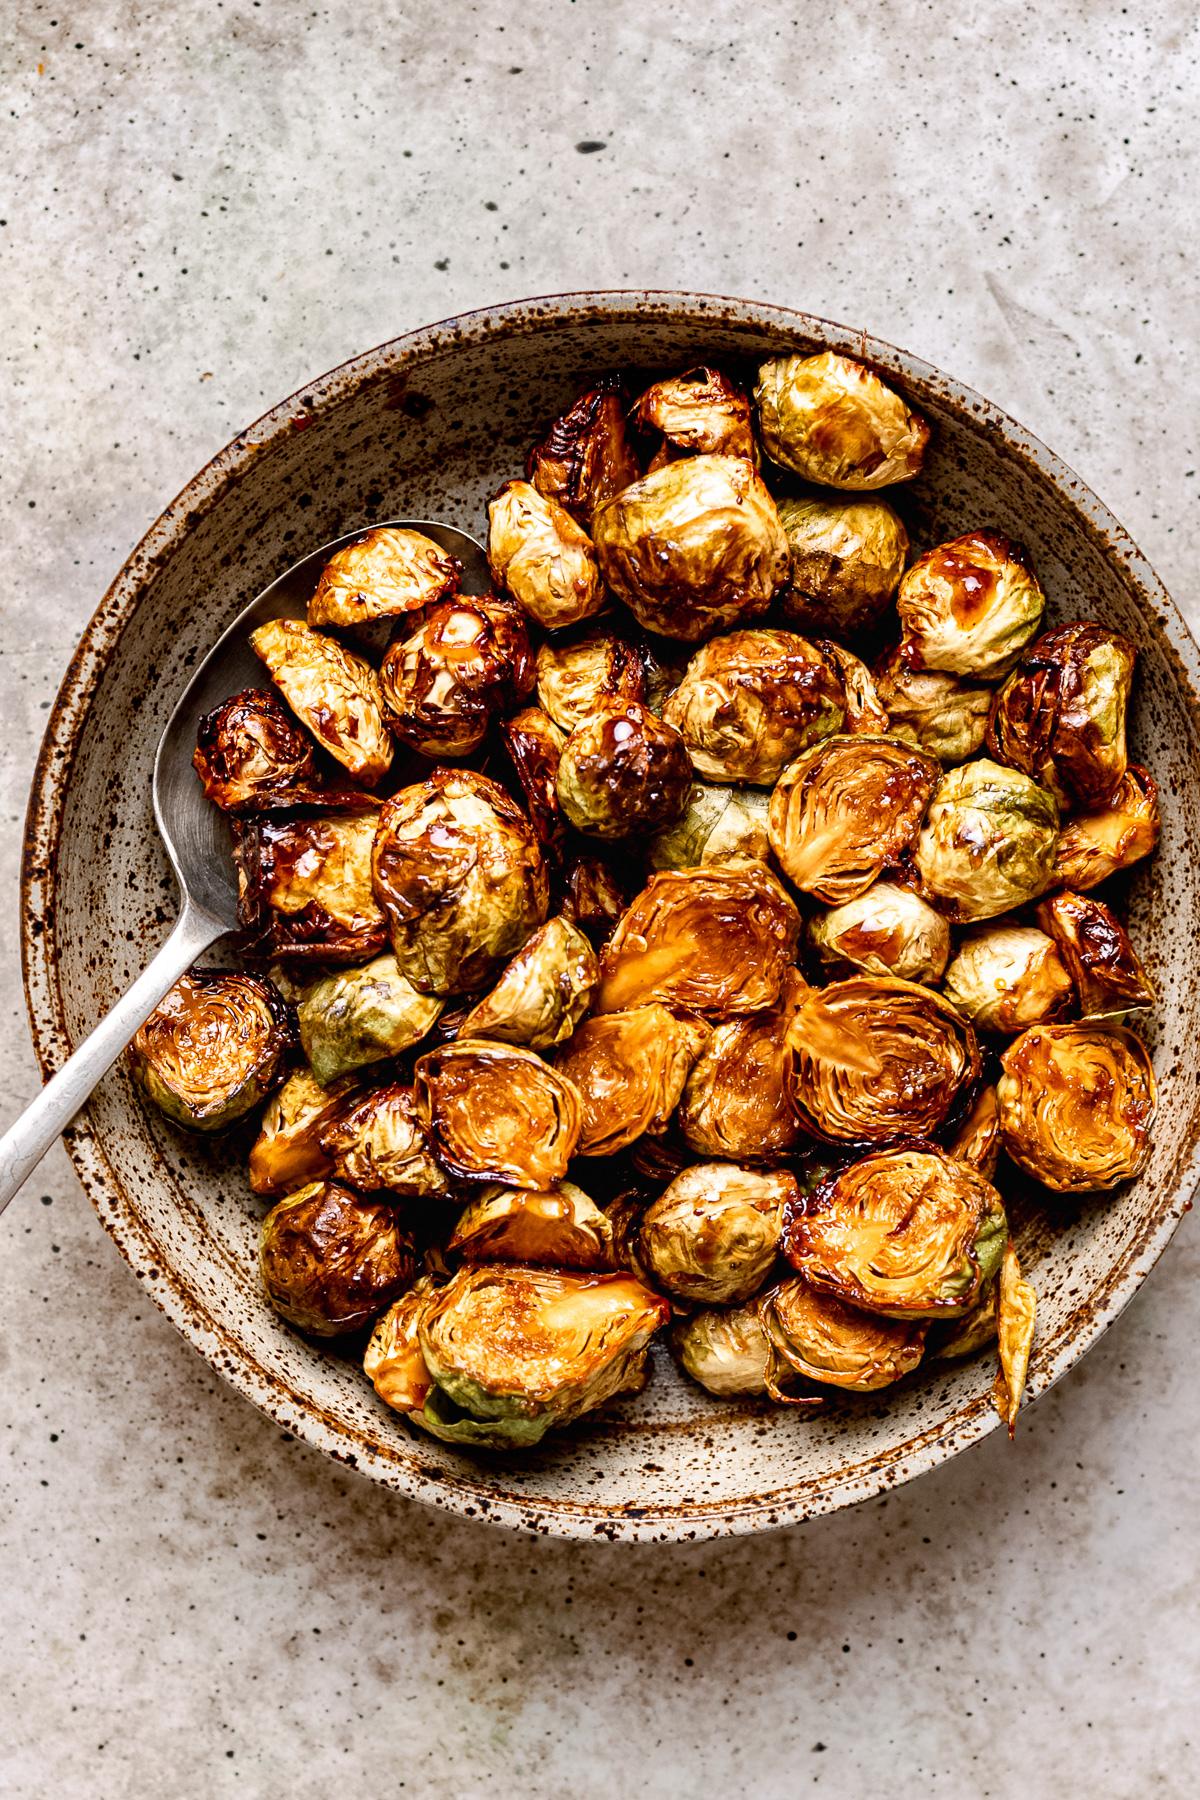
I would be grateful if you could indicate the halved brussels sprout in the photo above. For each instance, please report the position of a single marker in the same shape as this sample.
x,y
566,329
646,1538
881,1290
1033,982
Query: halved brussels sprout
x,y
213,1048
908,1233
543,993
711,1237
970,607
1104,966
715,939
865,712
978,1140
1060,716
1005,977
288,1152
497,1113
378,1144
542,557
700,411
820,1338
585,457
889,930
629,1069
452,672
358,1016
592,897
304,886
988,843
835,422
1077,1105
717,824
535,744
693,547
330,1261
751,701
847,560
388,571
458,871
876,1060
845,810
736,1103
332,691
560,1228
593,671
250,755
623,771
724,1348
944,715
1016,1317
973,1330
1092,846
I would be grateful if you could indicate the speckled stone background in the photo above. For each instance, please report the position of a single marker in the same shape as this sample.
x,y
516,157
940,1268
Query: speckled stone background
x,y
206,204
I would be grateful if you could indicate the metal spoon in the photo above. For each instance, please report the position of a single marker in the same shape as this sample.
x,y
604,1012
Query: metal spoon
x,y
197,842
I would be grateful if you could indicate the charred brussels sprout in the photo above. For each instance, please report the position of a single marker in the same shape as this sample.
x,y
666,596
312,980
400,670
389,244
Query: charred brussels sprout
x,y
988,843
542,557
847,809
389,571
906,1233
736,1103
459,874
535,745
1077,1105
944,715
304,886
560,1228
834,422
623,771
820,1338
865,712
331,1262
497,1113
723,1348
978,1141
288,1152
711,1237
1094,845
335,693
212,1049
1106,970
543,993
1060,717
971,606
693,547
629,1069
592,897
594,671
1016,1315
847,560
452,672
717,824
586,457
249,754
359,1016
378,1144
750,702
701,411
1005,977
889,930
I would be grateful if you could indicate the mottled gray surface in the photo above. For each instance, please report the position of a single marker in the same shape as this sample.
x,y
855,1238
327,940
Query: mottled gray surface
x,y
195,1605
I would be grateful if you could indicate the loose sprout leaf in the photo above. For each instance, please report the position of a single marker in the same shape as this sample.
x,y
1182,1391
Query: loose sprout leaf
x,y
1016,1316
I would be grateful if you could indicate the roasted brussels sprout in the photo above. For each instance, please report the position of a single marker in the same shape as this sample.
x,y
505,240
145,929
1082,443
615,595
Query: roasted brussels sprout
x,y
249,755
304,886
889,930
332,691
561,1228
288,1151
693,547
716,939
908,1233
378,1144
717,824
970,607
978,1141
724,1348
497,1113
458,871
543,993
700,411
967,1332
736,1103
665,665
395,1363
592,897
623,771
847,560
1005,977
877,1060
389,571
989,840
1106,970
331,1262
944,715
1060,717
594,671
750,702
711,1237
834,422
820,1338
452,672
865,712
1077,1105
535,745
542,557
1092,846
358,1016
847,809
629,1069
586,457
1016,1316
212,1049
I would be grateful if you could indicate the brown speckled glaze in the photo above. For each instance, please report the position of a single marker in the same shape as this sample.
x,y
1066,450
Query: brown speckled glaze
x,y
429,426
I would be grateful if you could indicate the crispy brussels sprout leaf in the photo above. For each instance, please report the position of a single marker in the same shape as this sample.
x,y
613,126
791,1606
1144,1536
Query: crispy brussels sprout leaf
x,y
989,840
378,1144
847,560
594,670
543,993
944,715
330,1262
497,1113
388,571
1005,977
304,886
711,1237
288,1152
889,930
1016,1317
834,422
359,1016
723,1348
535,745
845,810
818,1337
586,457
452,671
978,1140
250,755
700,412
539,554
751,701
212,1049
561,1228
717,824
623,772
737,1103
1092,846
970,607
1107,972
332,691
1060,717
1077,1105
629,1069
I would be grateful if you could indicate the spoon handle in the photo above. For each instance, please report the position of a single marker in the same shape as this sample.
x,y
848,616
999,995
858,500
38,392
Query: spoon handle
x,y
23,1146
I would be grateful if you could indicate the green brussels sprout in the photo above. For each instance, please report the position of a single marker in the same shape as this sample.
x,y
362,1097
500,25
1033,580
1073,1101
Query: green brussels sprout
x,y
724,1348
970,607
1060,717
944,715
1005,977
1092,846
889,930
497,1113
717,824
595,670
332,691
623,771
847,560
1077,1105
539,555
331,1262
452,671
383,574
560,1228
1100,961
977,1140
833,421
751,701
711,1237
378,1144
586,457
287,1153
629,1069
845,810
988,842
701,412
212,1049
1016,1315
357,1016
820,1338
736,1104
543,993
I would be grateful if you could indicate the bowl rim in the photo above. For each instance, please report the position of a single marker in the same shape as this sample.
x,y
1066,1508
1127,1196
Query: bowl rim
x,y
392,362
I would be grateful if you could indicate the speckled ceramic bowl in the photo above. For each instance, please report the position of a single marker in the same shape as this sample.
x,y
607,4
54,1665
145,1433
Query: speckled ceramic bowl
x,y
428,426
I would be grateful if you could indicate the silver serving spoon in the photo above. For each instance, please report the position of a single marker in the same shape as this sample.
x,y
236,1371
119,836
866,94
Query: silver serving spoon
x,y
197,841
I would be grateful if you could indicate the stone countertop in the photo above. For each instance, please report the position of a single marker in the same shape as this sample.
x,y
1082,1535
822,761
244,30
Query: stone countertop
x,y
212,203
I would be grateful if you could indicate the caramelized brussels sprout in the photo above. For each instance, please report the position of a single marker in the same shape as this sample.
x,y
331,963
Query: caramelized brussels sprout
x,y
664,665
716,939
865,712
332,691
593,898
593,671
288,1152
330,1262
304,886
458,871
629,1069
542,994
700,411
874,1061
750,702
497,1113
358,1016
535,744
908,1233
249,755
978,1140
1077,1105
1016,1317
452,672
847,560
558,1229
717,824
989,840
736,1103
542,557
1005,977
388,571
395,1363
954,1338
1060,717
585,458
693,547
724,1348
944,715
378,1144
834,422
889,930
1109,979
971,606
1092,846
819,1337
845,810
711,1237
212,1049
623,771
